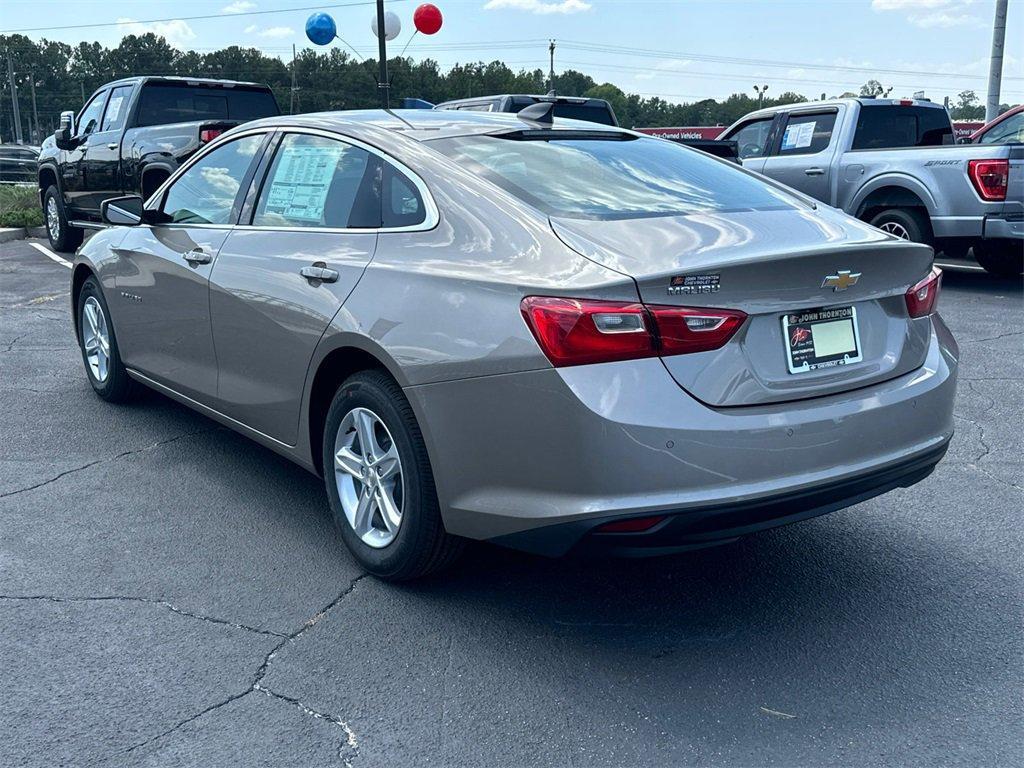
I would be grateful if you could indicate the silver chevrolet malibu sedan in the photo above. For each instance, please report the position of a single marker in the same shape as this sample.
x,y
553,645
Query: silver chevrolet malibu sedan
x,y
552,335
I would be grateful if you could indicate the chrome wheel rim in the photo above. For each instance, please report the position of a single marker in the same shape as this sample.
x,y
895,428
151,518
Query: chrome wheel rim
x,y
96,339
52,219
368,472
895,228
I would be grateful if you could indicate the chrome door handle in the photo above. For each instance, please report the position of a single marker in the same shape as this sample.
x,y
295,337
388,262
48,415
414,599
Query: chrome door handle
x,y
319,272
112,145
197,256
815,171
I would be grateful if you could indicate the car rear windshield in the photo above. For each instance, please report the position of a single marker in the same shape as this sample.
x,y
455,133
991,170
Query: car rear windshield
x,y
894,126
611,178
595,113
163,103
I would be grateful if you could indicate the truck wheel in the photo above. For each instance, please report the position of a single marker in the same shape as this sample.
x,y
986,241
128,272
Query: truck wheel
x,y
1003,258
905,223
63,237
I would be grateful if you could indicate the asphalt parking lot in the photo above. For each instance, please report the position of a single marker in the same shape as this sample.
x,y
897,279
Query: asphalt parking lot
x,y
173,594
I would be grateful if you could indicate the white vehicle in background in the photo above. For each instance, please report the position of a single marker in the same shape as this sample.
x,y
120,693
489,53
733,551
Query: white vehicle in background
x,y
893,163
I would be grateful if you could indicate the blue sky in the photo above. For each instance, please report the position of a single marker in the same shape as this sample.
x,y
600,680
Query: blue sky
x,y
678,47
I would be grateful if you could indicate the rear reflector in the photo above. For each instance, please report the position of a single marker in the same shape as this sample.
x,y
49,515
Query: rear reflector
x,y
922,298
209,134
989,177
581,331
632,525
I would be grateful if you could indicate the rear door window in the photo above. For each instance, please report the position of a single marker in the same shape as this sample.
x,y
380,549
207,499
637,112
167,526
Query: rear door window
x,y
316,181
751,138
886,126
807,134
117,108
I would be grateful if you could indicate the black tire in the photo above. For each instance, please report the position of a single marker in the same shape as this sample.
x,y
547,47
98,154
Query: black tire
x,y
66,239
908,223
117,386
421,546
1002,258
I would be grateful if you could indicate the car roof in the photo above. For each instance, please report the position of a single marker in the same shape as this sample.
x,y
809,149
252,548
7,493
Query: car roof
x,y
185,80
424,124
862,100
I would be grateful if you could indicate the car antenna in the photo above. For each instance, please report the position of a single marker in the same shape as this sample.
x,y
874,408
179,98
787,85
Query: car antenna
x,y
543,112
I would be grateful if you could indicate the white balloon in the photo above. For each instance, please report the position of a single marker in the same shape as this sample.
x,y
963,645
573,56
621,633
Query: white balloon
x,y
392,25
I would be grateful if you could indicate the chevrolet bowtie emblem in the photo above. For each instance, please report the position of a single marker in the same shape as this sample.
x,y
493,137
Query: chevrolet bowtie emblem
x,y
841,280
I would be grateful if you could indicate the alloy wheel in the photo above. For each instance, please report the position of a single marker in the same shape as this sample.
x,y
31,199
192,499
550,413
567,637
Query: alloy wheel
x,y
52,219
895,228
368,471
96,339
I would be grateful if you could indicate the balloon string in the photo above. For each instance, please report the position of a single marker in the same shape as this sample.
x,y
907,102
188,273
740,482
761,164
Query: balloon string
x,y
416,32
349,47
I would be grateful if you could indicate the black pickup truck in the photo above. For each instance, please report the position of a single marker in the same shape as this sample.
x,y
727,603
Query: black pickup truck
x,y
128,138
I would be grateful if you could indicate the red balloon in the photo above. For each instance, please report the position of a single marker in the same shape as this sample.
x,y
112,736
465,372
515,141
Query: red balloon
x,y
427,18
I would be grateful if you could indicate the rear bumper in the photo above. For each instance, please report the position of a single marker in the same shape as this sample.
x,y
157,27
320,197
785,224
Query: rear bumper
x,y
1009,227
722,523
538,459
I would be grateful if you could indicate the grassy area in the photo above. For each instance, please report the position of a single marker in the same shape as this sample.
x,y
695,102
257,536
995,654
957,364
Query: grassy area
x,y
19,206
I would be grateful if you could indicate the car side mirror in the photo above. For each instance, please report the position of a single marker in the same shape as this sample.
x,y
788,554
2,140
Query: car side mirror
x,y
964,140
62,136
127,211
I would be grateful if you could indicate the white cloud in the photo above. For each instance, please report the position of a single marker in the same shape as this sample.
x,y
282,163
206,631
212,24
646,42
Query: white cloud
x,y
250,29
930,14
277,32
239,6
538,6
176,32
664,67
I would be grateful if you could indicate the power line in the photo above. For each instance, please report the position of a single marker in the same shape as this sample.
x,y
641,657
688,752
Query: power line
x,y
198,18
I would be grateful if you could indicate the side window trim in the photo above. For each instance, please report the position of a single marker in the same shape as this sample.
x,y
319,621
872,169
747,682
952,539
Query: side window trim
x,y
431,215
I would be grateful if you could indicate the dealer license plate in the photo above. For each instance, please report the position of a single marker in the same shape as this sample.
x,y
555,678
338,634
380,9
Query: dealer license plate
x,y
821,338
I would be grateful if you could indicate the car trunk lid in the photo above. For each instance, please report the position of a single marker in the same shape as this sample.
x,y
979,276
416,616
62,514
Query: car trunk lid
x,y
769,264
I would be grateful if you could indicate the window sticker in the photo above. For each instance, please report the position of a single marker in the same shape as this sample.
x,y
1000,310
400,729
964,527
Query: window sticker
x,y
302,181
114,109
798,136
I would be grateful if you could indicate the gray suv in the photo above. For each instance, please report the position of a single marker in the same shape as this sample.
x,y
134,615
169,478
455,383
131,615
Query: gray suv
x,y
552,336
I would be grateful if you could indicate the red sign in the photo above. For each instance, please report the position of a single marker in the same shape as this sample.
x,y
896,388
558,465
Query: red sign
x,y
964,128
685,132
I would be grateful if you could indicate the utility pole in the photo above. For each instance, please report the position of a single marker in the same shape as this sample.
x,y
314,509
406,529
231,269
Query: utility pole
x,y
995,70
551,71
14,99
291,107
38,137
382,53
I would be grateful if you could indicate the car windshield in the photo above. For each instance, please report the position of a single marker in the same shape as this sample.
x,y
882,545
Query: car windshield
x,y
613,176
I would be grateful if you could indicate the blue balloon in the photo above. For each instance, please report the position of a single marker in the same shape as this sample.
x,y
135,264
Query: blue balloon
x,y
320,29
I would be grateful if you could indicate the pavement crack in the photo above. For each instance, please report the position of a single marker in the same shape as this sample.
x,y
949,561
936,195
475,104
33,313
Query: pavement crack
x,y
146,600
1006,335
349,749
256,685
117,457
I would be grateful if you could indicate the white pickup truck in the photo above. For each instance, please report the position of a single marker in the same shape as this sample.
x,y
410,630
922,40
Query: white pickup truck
x,y
892,162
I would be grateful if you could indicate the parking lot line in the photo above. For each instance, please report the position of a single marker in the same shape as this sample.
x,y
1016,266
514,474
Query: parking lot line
x,y
51,255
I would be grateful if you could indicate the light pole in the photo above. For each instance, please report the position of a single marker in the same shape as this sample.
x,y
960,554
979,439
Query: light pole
x,y
995,70
760,94
382,52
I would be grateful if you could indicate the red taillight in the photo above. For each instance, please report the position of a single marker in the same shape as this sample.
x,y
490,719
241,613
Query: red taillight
x,y
580,331
209,134
682,330
990,177
922,298
630,525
